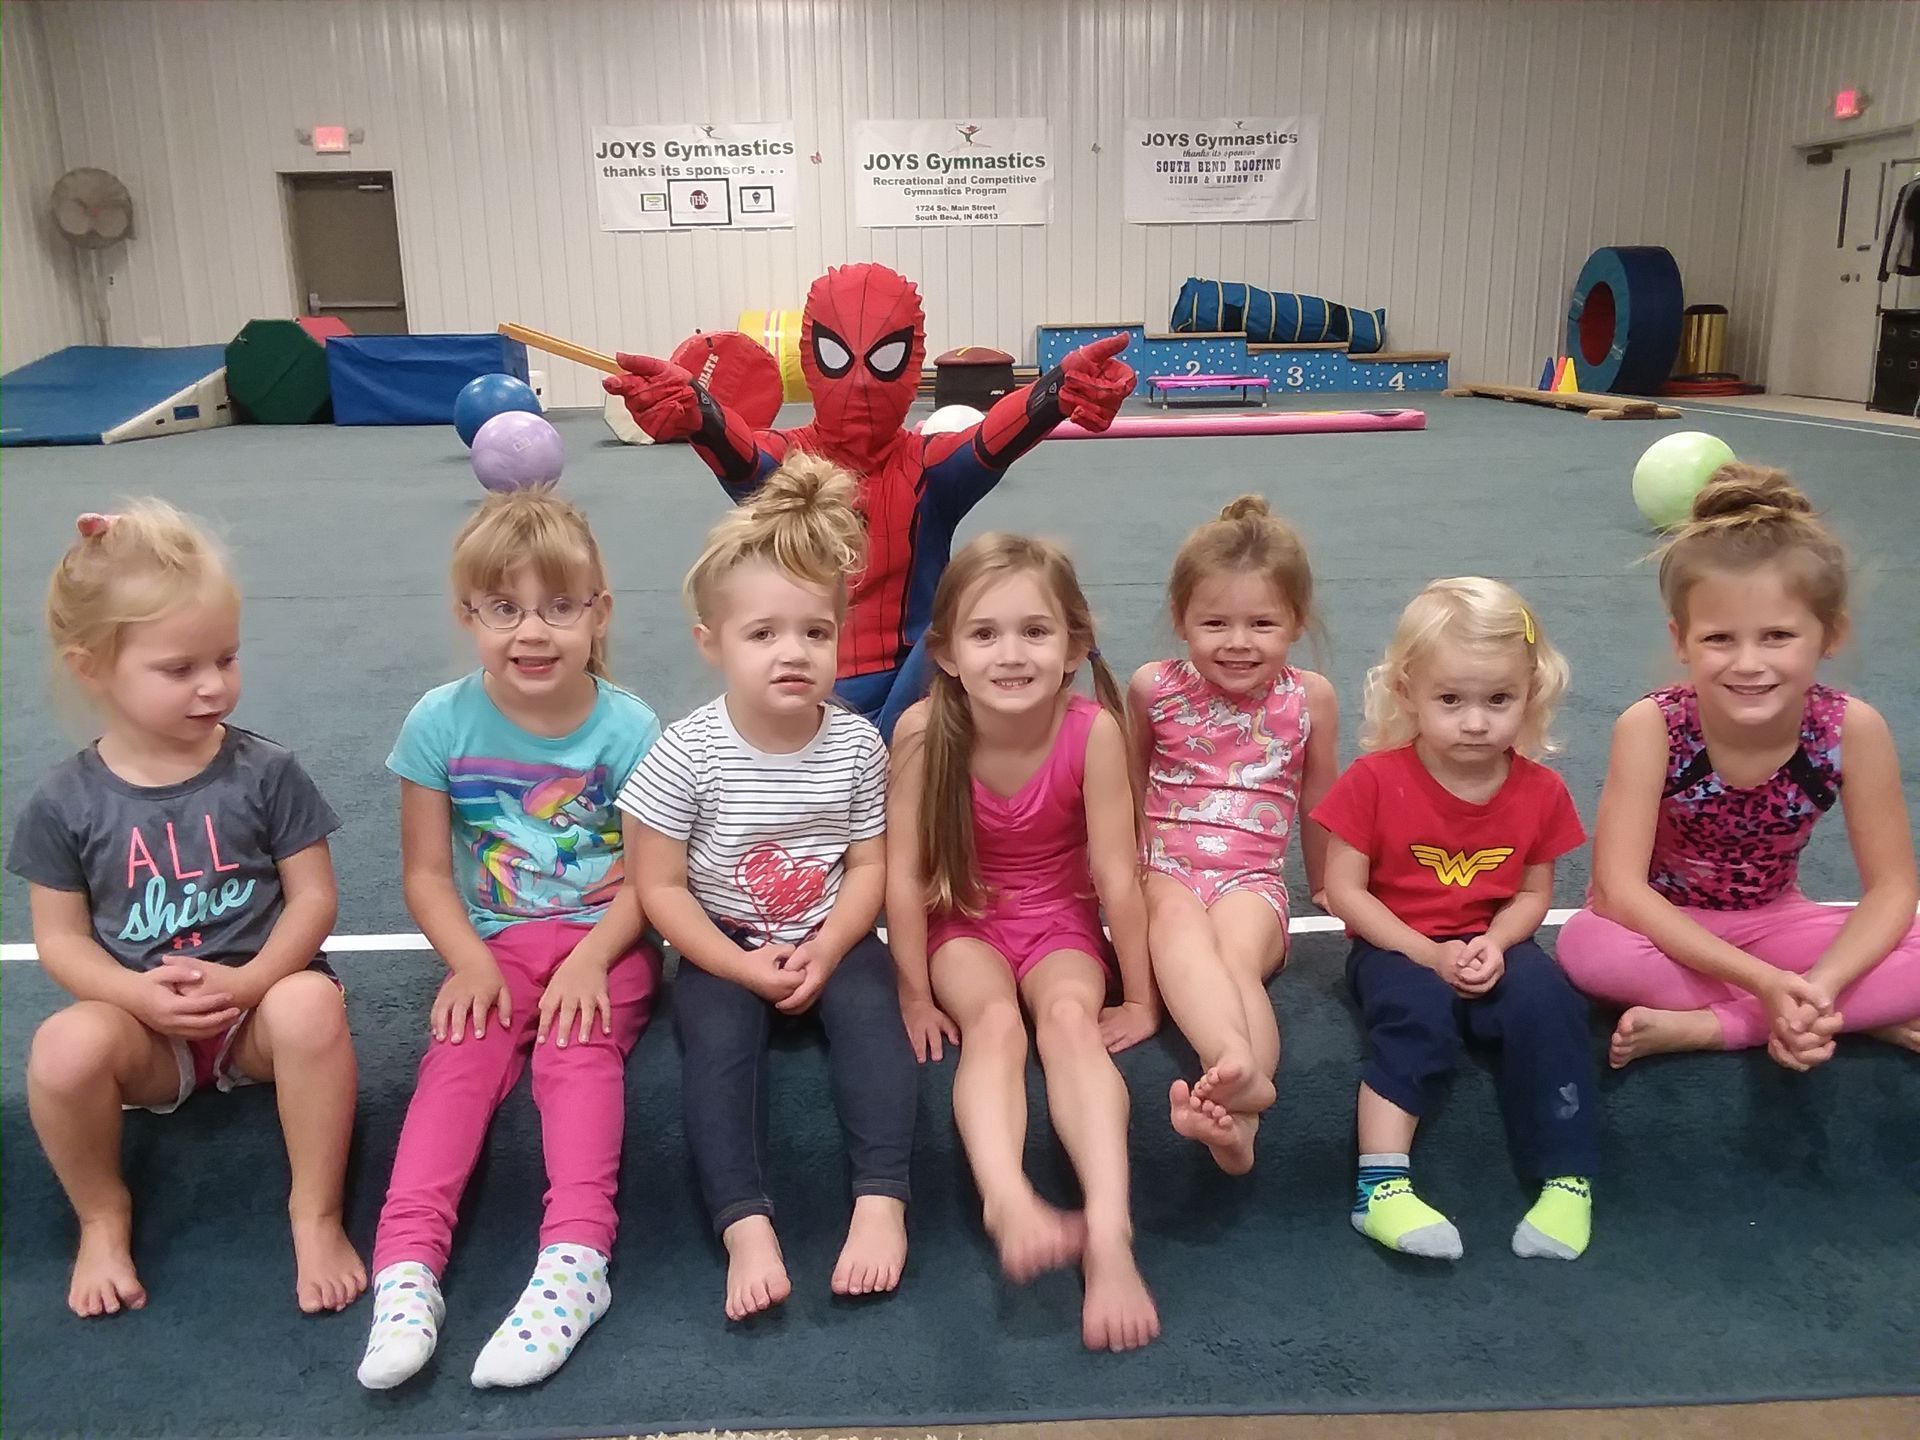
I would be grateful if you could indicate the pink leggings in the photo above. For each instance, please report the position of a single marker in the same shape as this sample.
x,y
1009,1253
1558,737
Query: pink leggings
x,y
1613,963
580,1091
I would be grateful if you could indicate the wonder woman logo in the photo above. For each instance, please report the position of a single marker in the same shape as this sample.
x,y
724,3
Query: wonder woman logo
x,y
1458,868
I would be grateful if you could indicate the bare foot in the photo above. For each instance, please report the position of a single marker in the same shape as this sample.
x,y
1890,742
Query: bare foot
x,y
1643,1032
1119,1312
328,1272
756,1273
1229,1137
1034,1237
1906,1036
104,1282
1233,1084
876,1249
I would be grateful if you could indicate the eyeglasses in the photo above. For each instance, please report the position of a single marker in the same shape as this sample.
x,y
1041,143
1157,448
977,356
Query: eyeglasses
x,y
562,612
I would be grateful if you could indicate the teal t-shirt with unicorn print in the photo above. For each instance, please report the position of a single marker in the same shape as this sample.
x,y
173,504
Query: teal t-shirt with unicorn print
x,y
535,832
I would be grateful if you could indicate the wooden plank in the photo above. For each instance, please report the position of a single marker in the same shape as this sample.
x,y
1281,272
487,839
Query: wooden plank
x,y
565,349
1596,407
1200,335
1309,345
1401,357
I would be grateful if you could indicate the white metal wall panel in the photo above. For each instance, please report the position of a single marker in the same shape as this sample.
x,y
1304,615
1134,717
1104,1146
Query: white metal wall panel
x,y
1473,151
1808,50
41,307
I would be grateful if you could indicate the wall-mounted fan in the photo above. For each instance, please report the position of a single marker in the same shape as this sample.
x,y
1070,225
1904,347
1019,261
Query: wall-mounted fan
x,y
92,211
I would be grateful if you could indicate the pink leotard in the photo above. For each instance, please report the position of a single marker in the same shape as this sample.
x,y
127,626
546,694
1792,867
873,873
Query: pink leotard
x,y
1223,782
1031,847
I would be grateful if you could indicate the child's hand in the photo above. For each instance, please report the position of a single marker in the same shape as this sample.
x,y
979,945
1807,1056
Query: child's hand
x,y
470,994
926,1024
577,991
764,972
814,963
1801,1053
1482,963
1445,959
1127,1024
1798,1006
177,1000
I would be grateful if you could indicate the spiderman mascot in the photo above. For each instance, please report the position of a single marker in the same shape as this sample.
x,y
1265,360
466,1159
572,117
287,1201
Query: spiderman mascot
x,y
862,341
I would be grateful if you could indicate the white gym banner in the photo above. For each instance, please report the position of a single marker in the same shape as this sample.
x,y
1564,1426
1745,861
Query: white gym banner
x,y
952,172
1179,172
687,177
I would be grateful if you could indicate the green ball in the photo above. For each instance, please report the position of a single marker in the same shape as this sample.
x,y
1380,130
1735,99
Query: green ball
x,y
1673,471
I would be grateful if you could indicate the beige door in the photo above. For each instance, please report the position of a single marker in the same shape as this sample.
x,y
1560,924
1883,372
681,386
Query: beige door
x,y
346,250
1827,322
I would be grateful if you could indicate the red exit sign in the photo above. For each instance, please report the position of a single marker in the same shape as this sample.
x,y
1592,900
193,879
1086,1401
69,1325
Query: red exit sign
x,y
330,139
1848,104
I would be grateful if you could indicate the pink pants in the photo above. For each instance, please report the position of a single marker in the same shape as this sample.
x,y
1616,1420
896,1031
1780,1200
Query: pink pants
x,y
580,1091
1612,963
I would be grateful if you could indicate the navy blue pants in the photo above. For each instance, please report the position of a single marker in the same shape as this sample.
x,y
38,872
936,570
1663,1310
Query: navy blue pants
x,y
724,1029
1533,1019
883,697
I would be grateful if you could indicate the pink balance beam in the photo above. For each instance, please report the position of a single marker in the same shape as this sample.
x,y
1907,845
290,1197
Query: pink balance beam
x,y
1286,422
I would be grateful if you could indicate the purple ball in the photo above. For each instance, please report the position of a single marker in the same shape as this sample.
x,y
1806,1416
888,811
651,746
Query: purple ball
x,y
515,450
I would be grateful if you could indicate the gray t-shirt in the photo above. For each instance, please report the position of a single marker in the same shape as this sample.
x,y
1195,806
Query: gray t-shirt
x,y
174,872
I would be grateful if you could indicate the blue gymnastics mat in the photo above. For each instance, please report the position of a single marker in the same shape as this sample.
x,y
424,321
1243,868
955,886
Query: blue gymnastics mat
x,y
100,394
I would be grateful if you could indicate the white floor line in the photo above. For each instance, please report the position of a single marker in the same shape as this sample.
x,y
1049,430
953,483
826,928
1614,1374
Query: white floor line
x,y
414,940
1891,431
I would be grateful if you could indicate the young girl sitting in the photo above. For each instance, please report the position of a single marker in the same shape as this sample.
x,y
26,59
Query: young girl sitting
x,y
762,858
181,888
1228,745
512,859
1012,822
1697,923
1441,862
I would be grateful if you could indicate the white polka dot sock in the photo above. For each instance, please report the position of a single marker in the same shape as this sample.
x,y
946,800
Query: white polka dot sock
x,y
567,1294
407,1311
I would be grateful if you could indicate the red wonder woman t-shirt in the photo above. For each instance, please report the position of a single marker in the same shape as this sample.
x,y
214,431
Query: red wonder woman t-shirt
x,y
1443,865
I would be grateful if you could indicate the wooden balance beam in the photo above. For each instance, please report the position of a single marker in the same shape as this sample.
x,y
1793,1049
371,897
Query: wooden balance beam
x,y
1596,407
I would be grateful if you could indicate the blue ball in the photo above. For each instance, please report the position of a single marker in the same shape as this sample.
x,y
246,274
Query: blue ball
x,y
486,397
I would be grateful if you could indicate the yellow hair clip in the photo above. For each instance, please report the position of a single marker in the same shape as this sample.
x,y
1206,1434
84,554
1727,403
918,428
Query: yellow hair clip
x,y
1526,624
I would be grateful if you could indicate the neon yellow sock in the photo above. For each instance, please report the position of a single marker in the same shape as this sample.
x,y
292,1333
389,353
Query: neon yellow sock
x,y
1401,1220
1560,1224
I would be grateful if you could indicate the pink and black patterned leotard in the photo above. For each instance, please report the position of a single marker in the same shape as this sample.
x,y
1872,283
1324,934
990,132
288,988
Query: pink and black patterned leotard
x,y
1721,848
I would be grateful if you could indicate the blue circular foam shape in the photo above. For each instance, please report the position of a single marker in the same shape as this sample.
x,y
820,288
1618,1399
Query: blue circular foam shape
x,y
1623,323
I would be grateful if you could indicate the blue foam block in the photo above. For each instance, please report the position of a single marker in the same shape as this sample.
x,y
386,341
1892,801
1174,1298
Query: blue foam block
x,y
412,379
76,395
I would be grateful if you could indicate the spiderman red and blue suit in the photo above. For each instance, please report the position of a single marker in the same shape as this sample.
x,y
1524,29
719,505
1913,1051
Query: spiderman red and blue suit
x,y
862,343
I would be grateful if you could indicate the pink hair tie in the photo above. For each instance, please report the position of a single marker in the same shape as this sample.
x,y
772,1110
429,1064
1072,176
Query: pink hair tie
x,y
93,525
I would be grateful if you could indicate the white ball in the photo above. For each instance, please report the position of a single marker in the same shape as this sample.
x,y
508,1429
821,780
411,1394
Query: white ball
x,y
949,418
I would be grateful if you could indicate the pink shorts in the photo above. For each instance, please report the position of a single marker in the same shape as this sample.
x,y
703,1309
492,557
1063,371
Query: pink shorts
x,y
208,1064
1025,940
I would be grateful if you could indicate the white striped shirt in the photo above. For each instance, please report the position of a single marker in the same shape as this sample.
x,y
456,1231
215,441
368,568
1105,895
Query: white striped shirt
x,y
766,835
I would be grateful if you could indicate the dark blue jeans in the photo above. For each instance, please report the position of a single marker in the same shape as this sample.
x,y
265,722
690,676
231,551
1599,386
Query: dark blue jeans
x,y
724,1029
1533,1019
883,697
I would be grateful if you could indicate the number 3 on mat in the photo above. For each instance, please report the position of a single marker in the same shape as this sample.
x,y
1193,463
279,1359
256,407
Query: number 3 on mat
x,y
1296,377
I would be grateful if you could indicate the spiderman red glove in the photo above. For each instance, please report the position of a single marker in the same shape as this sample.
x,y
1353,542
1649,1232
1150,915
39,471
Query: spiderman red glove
x,y
659,395
1094,382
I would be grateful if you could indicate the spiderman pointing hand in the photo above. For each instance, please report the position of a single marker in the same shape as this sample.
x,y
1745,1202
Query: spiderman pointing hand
x,y
862,343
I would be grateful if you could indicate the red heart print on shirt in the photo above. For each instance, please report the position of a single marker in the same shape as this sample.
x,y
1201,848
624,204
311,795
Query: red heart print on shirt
x,y
782,888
